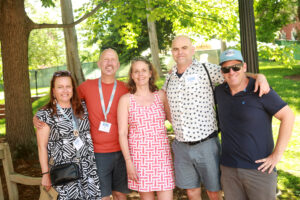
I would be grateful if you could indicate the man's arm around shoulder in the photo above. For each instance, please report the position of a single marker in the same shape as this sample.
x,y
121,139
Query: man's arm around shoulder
x,y
260,82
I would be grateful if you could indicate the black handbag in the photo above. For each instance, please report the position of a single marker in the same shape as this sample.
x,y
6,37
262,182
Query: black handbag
x,y
64,173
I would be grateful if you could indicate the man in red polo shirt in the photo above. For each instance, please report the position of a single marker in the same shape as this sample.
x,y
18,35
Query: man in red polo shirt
x,y
102,96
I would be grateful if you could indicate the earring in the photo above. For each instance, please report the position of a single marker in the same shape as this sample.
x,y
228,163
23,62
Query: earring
x,y
55,101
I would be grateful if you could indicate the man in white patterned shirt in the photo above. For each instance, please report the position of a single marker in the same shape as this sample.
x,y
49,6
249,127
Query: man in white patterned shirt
x,y
196,147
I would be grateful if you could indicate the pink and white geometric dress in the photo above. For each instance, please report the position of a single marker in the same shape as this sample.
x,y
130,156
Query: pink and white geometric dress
x,y
149,147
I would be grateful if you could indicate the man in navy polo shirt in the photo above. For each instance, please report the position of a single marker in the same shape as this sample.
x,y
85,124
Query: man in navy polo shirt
x,y
248,156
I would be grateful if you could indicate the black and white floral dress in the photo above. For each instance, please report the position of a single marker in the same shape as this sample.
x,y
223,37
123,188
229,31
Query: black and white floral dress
x,y
61,150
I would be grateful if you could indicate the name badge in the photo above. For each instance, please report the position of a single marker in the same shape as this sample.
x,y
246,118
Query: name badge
x,y
78,143
191,79
104,126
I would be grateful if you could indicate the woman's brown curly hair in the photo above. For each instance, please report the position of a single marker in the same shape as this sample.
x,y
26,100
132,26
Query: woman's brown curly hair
x,y
75,101
131,84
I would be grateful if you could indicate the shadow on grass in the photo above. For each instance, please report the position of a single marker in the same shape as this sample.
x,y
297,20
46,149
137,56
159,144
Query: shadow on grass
x,y
289,185
39,103
286,88
35,106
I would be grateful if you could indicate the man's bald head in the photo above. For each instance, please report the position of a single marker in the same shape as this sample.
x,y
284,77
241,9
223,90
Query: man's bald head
x,y
184,38
108,51
182,51
108,63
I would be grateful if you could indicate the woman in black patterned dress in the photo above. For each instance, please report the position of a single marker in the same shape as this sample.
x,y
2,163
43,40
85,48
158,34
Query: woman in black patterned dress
x,y
66,121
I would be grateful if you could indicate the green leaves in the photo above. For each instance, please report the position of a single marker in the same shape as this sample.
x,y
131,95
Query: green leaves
x,y
122,23
46,48
271,16
48,3
280,53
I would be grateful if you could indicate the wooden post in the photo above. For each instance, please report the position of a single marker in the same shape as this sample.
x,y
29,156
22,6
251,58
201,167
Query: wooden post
x,y
9,169
1,190
13,178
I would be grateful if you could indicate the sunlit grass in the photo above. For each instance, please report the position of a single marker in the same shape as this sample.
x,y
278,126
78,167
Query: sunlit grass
x,y
40,91
289,90
288,167
33,92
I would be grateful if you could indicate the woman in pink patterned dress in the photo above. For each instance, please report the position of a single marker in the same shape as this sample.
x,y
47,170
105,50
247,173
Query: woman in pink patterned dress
x,y
146,147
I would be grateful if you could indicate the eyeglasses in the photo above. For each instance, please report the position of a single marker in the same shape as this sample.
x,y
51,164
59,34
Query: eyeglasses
x,y
236,67
61,73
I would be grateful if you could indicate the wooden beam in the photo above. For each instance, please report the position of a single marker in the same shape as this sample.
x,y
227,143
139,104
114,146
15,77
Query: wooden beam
x,y
1,154
26,180
9,169
1,191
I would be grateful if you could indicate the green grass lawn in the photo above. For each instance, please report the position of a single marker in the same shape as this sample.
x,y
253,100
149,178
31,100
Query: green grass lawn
x,y
289,90
34,92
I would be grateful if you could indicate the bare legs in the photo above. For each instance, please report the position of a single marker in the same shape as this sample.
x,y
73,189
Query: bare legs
x,y
116,196
195,194
161,195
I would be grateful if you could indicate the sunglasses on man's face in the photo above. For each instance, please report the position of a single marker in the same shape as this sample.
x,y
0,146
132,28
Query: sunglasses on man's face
x,y
236,67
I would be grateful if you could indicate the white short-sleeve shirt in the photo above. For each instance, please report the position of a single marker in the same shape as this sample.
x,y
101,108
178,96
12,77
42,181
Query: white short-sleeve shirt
x,y
191,101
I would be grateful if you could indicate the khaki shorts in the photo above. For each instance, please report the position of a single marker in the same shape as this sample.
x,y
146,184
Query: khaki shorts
x,y
248,184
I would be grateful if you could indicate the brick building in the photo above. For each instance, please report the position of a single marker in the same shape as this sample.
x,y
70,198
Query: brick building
x,y
290,32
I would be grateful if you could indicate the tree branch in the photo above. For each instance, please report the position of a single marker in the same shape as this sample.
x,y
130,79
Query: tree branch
x,y
40,26
212,20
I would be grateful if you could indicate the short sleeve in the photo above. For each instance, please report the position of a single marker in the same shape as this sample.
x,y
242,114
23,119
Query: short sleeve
x,y
44,116
215,73
272,102
80,91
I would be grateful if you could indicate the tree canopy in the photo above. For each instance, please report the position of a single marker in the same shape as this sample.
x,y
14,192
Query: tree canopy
x,y
122,23
15,28
124,27
272,15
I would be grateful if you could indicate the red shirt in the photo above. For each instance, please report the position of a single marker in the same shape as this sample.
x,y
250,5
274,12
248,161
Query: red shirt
x,y
89,91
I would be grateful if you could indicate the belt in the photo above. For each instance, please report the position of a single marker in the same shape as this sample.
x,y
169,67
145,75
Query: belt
x,y
214,134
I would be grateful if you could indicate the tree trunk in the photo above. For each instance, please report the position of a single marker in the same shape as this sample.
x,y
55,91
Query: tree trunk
x,y
73,61
15,27
153,40
14,33
298,11
248,35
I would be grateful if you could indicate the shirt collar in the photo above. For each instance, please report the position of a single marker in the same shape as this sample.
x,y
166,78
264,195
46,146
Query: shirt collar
x,y
247,90
194,63
251,85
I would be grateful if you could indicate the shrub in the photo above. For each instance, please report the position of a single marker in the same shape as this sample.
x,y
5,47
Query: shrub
x,y
280,53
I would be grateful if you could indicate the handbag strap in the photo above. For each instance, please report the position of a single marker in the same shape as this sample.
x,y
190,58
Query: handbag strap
x,y
214,94
59,138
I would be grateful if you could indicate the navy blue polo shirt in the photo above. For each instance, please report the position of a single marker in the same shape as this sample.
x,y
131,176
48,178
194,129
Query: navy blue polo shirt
x,y
246,125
